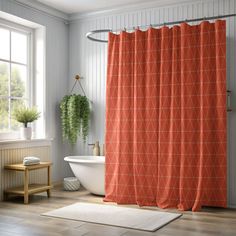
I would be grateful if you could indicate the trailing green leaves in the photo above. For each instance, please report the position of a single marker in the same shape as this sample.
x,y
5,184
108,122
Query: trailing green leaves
x,y
75,115
84,116
64,117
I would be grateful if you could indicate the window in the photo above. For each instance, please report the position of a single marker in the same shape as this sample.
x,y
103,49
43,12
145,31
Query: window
x,y
15,74
22,73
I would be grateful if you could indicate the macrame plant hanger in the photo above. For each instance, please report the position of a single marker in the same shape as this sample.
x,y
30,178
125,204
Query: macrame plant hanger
x,y
77,80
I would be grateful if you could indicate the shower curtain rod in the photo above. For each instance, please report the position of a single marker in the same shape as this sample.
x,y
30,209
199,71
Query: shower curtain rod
x,y
93,32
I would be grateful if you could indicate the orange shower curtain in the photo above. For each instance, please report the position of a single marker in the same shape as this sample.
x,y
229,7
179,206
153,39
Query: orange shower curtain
x,y
166,117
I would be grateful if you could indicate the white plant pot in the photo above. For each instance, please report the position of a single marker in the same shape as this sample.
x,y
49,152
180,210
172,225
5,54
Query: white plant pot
x,y
26,133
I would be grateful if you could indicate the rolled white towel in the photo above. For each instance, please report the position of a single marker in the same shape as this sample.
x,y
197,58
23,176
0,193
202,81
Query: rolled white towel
x,y
31,160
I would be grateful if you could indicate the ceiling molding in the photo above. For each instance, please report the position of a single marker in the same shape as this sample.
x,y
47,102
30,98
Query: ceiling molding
x,y
128,8
42,8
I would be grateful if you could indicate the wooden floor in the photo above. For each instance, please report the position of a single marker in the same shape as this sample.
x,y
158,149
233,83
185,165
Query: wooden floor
x,y
25,220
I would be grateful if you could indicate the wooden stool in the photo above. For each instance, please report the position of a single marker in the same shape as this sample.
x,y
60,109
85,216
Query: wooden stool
x,y
28,189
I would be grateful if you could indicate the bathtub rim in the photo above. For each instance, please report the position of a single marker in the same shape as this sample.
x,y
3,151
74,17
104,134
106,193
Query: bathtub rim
x,y
83,159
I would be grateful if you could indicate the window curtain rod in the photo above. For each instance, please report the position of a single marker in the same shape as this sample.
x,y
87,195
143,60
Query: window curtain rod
x,y
93,32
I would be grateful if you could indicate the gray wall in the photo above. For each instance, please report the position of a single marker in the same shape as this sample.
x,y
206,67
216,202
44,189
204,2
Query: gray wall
x,y
89,59
57,57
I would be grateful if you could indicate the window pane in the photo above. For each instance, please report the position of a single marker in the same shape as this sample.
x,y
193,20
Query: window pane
x,y
19,47
16,103
18,80
4,121
4,78
4,44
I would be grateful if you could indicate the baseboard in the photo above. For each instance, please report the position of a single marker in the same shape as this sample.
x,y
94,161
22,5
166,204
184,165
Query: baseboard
x,y
231,206
57,183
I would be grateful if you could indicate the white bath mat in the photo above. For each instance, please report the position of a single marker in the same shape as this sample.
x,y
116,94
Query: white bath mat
x,y
140,219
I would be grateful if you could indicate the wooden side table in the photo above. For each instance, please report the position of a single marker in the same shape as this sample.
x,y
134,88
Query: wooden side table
x,y
28,189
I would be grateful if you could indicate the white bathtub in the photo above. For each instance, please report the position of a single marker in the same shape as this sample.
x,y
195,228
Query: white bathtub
x,y
90,170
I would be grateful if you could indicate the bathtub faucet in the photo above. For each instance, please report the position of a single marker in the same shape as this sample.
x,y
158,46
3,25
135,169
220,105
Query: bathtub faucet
x,y
96,148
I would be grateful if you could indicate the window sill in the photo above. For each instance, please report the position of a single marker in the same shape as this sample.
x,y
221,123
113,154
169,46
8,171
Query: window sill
x,y
20,143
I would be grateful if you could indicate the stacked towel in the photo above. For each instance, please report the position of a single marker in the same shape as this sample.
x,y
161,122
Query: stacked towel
x,y
31,161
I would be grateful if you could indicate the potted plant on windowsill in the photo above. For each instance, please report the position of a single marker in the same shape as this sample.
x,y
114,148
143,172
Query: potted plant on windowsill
x,y
26,115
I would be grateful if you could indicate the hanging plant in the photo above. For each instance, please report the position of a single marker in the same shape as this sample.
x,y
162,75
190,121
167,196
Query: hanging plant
x,y
75,115
64,117
84,116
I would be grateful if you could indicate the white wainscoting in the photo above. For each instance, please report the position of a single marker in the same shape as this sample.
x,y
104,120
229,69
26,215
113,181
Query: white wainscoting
x,y
89,59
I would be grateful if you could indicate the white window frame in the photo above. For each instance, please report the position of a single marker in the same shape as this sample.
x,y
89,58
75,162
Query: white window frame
x,y
30,90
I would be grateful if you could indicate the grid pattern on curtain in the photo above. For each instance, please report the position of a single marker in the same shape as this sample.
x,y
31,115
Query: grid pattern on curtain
x,y
166,117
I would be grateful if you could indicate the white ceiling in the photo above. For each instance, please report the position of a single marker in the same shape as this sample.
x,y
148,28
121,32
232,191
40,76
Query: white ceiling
x,y
81,6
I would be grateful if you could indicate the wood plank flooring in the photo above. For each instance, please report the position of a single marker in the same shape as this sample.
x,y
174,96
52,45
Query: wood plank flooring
x,y
25,220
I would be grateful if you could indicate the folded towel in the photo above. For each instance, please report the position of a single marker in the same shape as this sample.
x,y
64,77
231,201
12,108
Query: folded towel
x,y
32,158
31,161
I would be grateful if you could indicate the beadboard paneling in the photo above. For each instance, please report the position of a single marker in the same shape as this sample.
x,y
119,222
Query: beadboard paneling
x,y
89,59
16,155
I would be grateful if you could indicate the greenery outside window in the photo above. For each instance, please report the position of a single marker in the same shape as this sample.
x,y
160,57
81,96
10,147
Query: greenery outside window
x,y
15,75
